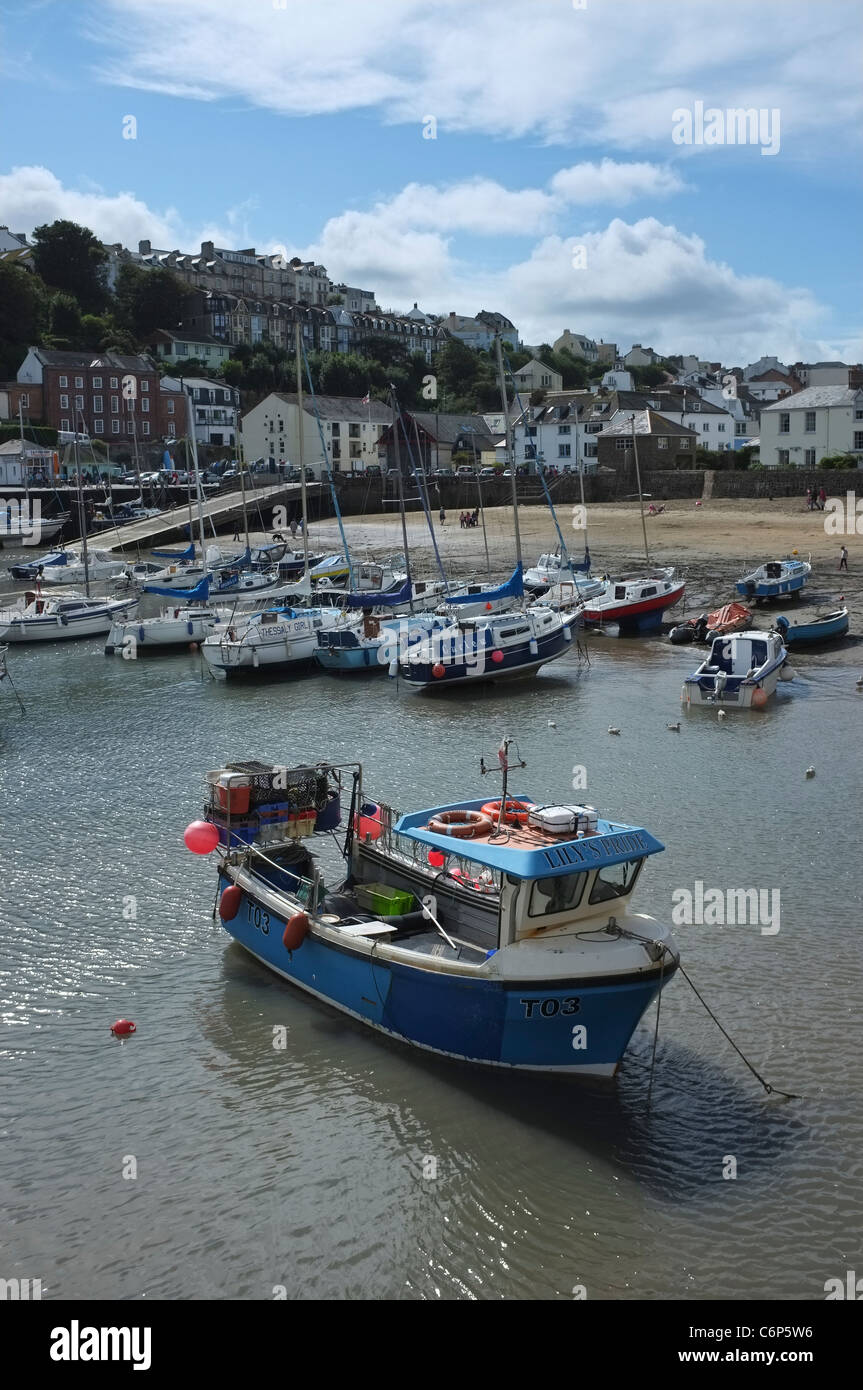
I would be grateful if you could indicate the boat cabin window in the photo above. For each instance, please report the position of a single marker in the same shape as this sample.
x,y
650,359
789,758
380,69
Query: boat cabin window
x,y
759,654
551,895
648,593
513,631
614,881
620,591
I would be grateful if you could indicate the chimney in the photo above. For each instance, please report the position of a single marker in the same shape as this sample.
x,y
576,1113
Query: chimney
x,y
208,250
144,248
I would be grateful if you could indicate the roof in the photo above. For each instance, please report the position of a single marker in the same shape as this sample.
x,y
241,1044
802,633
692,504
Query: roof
x,y
449,428
614,844
336,407
51,358
182,337
690,402
12,448
646,422
815,396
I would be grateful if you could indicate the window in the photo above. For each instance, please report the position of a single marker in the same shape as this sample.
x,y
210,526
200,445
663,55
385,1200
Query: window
x,y
721,429
79,382
114,383
115,426
145,386
145,405
563,429
858,439
354,431
336,431
79,402
705,427
24,400
171,428
552,895
99,426
182,350
784,422
614,881
662,441
783,457
809,425
621,444
809,458
97,383
64,381
130,426
170,407
97,404
64,402
858,414
545,380
145,427
115,404
564,451
64,424
531,431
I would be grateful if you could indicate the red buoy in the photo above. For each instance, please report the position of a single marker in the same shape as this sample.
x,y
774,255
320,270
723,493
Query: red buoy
x,y
230,902
295,932
122,1028
438,670
201,837
497,657
436,858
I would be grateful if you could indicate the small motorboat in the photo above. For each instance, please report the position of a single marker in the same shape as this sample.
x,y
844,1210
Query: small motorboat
x,y
821,628
53,559
495,933
60,617
635,603
742,671
101,564
274,639
775,578
732,617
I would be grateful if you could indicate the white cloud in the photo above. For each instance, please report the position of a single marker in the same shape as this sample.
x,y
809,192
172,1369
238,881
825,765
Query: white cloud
x,y
497,67
610,182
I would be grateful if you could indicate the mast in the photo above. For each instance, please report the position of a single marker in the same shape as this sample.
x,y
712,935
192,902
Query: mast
x,y
25,470
397,425
640,497
508,448
81,513
193,443
484,535
298,335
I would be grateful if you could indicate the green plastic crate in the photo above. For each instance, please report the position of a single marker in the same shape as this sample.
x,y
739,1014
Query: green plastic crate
x,y
383,900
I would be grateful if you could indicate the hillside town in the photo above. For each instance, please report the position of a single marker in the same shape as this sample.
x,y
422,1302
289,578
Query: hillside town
x,y
128,379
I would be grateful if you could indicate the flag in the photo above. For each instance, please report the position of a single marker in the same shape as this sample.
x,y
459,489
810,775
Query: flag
x,y
367,399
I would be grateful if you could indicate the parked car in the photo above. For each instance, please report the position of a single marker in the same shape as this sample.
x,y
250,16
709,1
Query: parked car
x,y
488,472
465,471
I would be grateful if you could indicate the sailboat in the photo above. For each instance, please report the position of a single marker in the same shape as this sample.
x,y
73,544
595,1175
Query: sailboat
x,y
280,637
490,646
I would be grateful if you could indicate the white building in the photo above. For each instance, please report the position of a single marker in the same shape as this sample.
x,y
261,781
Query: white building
x,y
825,373
559,433
578,344
536,376
711,421
639,356
351,432
472,332
804,428
617,380
215,407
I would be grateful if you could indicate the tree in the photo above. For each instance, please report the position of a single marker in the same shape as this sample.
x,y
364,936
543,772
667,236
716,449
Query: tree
x,y
95,331
842,461
149,299
22,315
65,319
71,258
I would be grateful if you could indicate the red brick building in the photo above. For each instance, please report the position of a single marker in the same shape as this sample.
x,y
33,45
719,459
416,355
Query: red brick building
x,y
108,395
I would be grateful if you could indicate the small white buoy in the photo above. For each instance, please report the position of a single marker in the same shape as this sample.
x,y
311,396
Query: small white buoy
x,y
721,714
675,728
551,724
810,772
612,730
859,682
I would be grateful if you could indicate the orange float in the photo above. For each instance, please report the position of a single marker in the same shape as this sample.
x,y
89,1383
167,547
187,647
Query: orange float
x,y
516,812
462,825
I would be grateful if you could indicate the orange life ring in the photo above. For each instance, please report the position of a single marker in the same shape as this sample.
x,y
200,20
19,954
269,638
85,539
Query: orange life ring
x,y
463,825
516,812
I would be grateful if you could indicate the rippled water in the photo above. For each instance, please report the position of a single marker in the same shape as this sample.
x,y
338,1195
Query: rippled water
x,y
306,1168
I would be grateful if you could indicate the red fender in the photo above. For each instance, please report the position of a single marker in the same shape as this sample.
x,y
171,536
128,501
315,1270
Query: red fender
x,y
230,902
295,932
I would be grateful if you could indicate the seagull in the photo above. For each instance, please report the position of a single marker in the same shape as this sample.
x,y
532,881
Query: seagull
x,y
721,714
551,724
859,682
810,772
675,728
612,730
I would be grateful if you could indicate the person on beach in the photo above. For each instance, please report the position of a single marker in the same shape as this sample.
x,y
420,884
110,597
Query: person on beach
x,y
293,528
843,558
822,497
442,515
810,492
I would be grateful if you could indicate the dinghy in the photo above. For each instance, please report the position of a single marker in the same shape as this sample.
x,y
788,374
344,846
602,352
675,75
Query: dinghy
x,y
822,628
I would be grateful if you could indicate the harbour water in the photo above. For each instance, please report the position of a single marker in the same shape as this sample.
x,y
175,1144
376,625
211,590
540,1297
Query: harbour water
x,y
346,1165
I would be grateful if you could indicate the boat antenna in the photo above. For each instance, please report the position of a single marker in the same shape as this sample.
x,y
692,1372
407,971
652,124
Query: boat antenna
x,y
638,482
503,769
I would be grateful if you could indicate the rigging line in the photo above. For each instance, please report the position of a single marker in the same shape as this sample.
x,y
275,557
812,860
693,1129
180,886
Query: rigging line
x,y
656,1031
333,494
771,1090
398,420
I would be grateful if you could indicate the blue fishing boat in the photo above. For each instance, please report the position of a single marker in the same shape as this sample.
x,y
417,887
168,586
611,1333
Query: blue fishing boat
x,y
516,947
821,628
775,578
498,646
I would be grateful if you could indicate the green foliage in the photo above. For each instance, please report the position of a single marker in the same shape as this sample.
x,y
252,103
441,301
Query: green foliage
x,y
70,258
23,315
841,461
64,319
35,434
146,300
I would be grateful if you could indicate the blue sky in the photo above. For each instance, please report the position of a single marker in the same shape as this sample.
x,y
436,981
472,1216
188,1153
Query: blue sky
x,y
301,128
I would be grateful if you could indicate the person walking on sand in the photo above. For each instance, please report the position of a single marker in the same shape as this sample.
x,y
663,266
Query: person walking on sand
x,y
822,497
810,492
843,558
442,515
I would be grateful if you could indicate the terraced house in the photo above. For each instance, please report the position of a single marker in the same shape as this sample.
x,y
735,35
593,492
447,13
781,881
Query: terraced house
x,y
800,430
